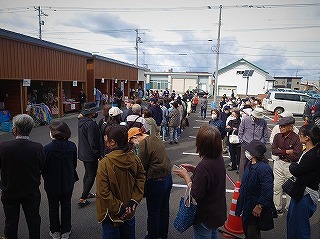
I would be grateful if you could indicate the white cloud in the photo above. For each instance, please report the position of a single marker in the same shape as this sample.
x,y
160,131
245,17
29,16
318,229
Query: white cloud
x,y
178,28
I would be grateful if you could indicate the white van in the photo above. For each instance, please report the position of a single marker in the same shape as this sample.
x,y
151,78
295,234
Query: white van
x,y
286,101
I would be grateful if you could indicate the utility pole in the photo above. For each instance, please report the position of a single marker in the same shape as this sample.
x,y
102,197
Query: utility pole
x,y
217,60
138,40
41,22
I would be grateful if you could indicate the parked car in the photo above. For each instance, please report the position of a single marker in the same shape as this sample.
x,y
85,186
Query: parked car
x,y
312,111
294,102
200,92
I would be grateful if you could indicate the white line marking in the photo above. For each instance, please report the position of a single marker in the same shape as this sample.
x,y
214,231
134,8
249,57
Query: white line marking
x,y
196,127
196,154
186,153
176,185
193,137
203,121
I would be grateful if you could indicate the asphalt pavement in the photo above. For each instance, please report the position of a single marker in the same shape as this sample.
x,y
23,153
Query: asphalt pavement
x,y
84,224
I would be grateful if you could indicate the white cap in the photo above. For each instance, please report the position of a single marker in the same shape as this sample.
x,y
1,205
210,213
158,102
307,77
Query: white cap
x,y
286,114
257,112
114,111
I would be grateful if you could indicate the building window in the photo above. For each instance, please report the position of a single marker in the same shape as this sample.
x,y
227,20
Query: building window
x,y
240,72
159,84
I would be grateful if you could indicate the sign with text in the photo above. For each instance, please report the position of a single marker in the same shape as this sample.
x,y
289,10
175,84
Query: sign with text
x,y
75,83
26,82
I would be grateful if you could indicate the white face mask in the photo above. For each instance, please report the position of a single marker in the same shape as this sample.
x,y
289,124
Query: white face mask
x,y
213,116
248,155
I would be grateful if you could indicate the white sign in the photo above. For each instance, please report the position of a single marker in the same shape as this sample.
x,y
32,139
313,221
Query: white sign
x,y
102,80
73,106
26,82
75,83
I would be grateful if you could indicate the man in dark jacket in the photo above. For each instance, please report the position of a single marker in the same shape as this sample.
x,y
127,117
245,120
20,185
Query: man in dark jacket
x,y
156,111
20,165
89,149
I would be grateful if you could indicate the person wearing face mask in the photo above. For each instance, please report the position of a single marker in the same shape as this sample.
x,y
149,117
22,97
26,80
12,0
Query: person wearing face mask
x,y
252,127
216,122
234,149
224,116
157,165
255,202
59,174
90,149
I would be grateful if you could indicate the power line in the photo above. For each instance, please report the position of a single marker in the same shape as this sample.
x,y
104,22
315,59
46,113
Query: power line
x,y
168,9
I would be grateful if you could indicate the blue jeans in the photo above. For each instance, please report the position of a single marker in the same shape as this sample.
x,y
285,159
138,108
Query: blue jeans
x,y
203,113
124,231
202,232
298,218
173,134
157,193
163,131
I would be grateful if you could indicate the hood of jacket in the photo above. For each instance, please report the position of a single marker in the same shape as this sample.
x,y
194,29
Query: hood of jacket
x,y
83,120
121,159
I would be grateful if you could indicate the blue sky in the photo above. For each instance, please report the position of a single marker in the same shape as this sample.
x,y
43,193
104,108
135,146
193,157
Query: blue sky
x,y
281,37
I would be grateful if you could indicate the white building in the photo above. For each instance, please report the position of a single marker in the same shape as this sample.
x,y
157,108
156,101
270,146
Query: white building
x,y
178,81
231,78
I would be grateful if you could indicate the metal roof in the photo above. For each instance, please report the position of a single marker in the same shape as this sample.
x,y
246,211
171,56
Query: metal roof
x,y
118,62
20,37
35,41
224,69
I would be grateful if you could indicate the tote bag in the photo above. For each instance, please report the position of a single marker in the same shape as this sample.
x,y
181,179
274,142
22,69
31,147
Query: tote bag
x,y
233,138
186,213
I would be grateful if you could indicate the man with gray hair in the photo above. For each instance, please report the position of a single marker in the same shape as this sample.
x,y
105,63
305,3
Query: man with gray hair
x,y
136,120
20,166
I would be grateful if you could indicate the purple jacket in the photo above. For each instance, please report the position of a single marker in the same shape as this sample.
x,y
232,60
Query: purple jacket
x,y
249,130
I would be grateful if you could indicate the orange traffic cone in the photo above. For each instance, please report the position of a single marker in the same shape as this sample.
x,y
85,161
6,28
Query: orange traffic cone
x,y
276,116
234,224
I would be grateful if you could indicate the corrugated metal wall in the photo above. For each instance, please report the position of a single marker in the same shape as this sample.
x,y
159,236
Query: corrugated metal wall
x,y
105,69
19,60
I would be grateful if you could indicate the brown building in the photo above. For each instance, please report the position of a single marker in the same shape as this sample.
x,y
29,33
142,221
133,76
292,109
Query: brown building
x,y
37,71
107,74
287,82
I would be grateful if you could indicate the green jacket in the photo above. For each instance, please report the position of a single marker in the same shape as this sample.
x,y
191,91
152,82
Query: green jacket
x,y
154,157
120,178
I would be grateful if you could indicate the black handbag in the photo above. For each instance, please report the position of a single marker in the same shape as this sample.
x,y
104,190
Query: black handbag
x,y
289,185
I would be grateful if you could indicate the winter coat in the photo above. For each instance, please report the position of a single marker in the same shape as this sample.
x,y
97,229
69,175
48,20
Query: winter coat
x,y
256,188
120,178
59,168
90,145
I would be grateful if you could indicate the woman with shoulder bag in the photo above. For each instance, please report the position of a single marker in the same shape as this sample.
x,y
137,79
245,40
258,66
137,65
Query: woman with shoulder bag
x,y
305,196
234,148
208,183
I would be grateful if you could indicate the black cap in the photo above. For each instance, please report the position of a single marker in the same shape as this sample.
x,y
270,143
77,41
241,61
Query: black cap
x,y
256,148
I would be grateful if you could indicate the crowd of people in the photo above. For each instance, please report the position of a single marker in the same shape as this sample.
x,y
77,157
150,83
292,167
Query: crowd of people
x,y
126,155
